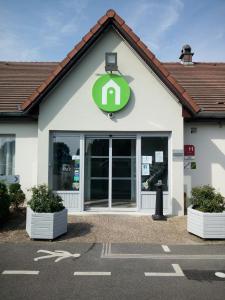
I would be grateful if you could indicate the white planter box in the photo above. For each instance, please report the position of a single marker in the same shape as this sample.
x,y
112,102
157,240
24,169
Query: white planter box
x,y
46,225
206,225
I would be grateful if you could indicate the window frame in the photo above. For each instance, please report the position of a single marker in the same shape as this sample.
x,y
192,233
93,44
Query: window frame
x,y
168,160
55,134
13,137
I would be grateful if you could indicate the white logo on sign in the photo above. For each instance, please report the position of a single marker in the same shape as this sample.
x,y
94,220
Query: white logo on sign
x,y
109,86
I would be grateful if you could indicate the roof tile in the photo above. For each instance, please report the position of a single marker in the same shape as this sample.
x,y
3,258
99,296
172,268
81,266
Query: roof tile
x,y
95,28
72,53
80,45
102,20
57,70
160,66
134,36
87,37
41,87
149,53
141,45
110,13
64,62
119,20
178,86
126,28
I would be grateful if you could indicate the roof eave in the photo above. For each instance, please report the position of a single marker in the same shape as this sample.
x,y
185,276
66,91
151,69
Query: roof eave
x,y
212,115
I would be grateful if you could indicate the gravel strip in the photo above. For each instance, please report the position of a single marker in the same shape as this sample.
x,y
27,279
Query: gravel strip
x,y
112,228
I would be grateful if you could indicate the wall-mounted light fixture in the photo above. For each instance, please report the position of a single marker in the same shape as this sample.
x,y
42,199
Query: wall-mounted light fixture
x,y
111,61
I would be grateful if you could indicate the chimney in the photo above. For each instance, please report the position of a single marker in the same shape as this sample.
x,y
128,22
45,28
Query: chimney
x,y
186,55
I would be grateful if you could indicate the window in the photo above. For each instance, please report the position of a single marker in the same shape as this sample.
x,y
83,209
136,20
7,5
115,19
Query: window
x,y
7,155
66,162
154,162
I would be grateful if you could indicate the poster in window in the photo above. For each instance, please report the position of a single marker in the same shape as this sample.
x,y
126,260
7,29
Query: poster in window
x,y
76,176
77,164
76,186
159,156
146,159
145,170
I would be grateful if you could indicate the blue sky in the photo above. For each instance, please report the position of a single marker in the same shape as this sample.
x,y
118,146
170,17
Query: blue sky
x,y
46,30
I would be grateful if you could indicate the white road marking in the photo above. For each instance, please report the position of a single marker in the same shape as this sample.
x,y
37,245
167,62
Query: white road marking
x,y
103,250
60,254
177,269
106,249
107,253
19,272
165,256
92,273
220,274
166,248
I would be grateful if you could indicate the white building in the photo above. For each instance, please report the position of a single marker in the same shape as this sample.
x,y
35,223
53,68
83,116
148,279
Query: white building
x,y
52,130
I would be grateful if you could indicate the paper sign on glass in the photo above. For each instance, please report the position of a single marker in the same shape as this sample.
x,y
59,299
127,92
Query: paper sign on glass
x,y
145,170
159,156
146,159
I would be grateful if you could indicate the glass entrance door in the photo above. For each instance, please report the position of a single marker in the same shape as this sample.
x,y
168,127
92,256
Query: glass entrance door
x,y
110,173
123,173
96,190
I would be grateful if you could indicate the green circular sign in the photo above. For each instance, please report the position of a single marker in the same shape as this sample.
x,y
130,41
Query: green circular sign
x,y
111,92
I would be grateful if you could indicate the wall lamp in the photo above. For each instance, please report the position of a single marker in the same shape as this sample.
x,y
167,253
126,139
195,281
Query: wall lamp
x,y
111,61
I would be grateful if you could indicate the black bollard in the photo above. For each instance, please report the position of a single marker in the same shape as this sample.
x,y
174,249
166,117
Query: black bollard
x,y
158,216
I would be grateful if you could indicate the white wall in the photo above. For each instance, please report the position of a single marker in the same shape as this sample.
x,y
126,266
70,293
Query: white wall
x,y
209,142
25,151
151,107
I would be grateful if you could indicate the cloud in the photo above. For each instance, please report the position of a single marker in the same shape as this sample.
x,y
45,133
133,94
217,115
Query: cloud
x,y
154,18
64,20
31,39
170,15
13,47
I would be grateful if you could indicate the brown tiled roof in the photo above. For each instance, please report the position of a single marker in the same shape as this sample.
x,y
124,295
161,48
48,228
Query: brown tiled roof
x,y
205,82
111,18
18,80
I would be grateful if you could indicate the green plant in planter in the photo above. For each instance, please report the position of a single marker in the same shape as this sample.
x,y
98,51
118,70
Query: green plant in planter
x,y
17,196
206,199
4,202
43,200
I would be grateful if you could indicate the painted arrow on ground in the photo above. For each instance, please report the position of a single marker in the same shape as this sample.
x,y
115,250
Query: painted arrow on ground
x,y
60,254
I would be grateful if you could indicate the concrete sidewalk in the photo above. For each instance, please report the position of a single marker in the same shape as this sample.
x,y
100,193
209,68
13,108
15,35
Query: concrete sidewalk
x,y
102,228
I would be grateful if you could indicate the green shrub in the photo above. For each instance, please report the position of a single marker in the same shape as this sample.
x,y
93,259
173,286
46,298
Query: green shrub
x,y
206,199
17,196
44,200
4,202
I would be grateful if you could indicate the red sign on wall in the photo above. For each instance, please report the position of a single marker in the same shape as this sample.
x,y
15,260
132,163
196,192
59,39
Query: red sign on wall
x,y
189,150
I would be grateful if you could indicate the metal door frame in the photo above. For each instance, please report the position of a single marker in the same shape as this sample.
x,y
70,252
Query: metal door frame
x,y
110,137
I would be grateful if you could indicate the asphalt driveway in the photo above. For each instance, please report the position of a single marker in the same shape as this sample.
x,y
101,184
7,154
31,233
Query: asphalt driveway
x,y
46,270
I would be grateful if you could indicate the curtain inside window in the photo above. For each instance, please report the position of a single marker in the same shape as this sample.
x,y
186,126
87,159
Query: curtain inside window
x,y
7,155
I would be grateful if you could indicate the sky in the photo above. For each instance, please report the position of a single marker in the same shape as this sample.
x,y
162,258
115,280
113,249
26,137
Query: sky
x,y
46,30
